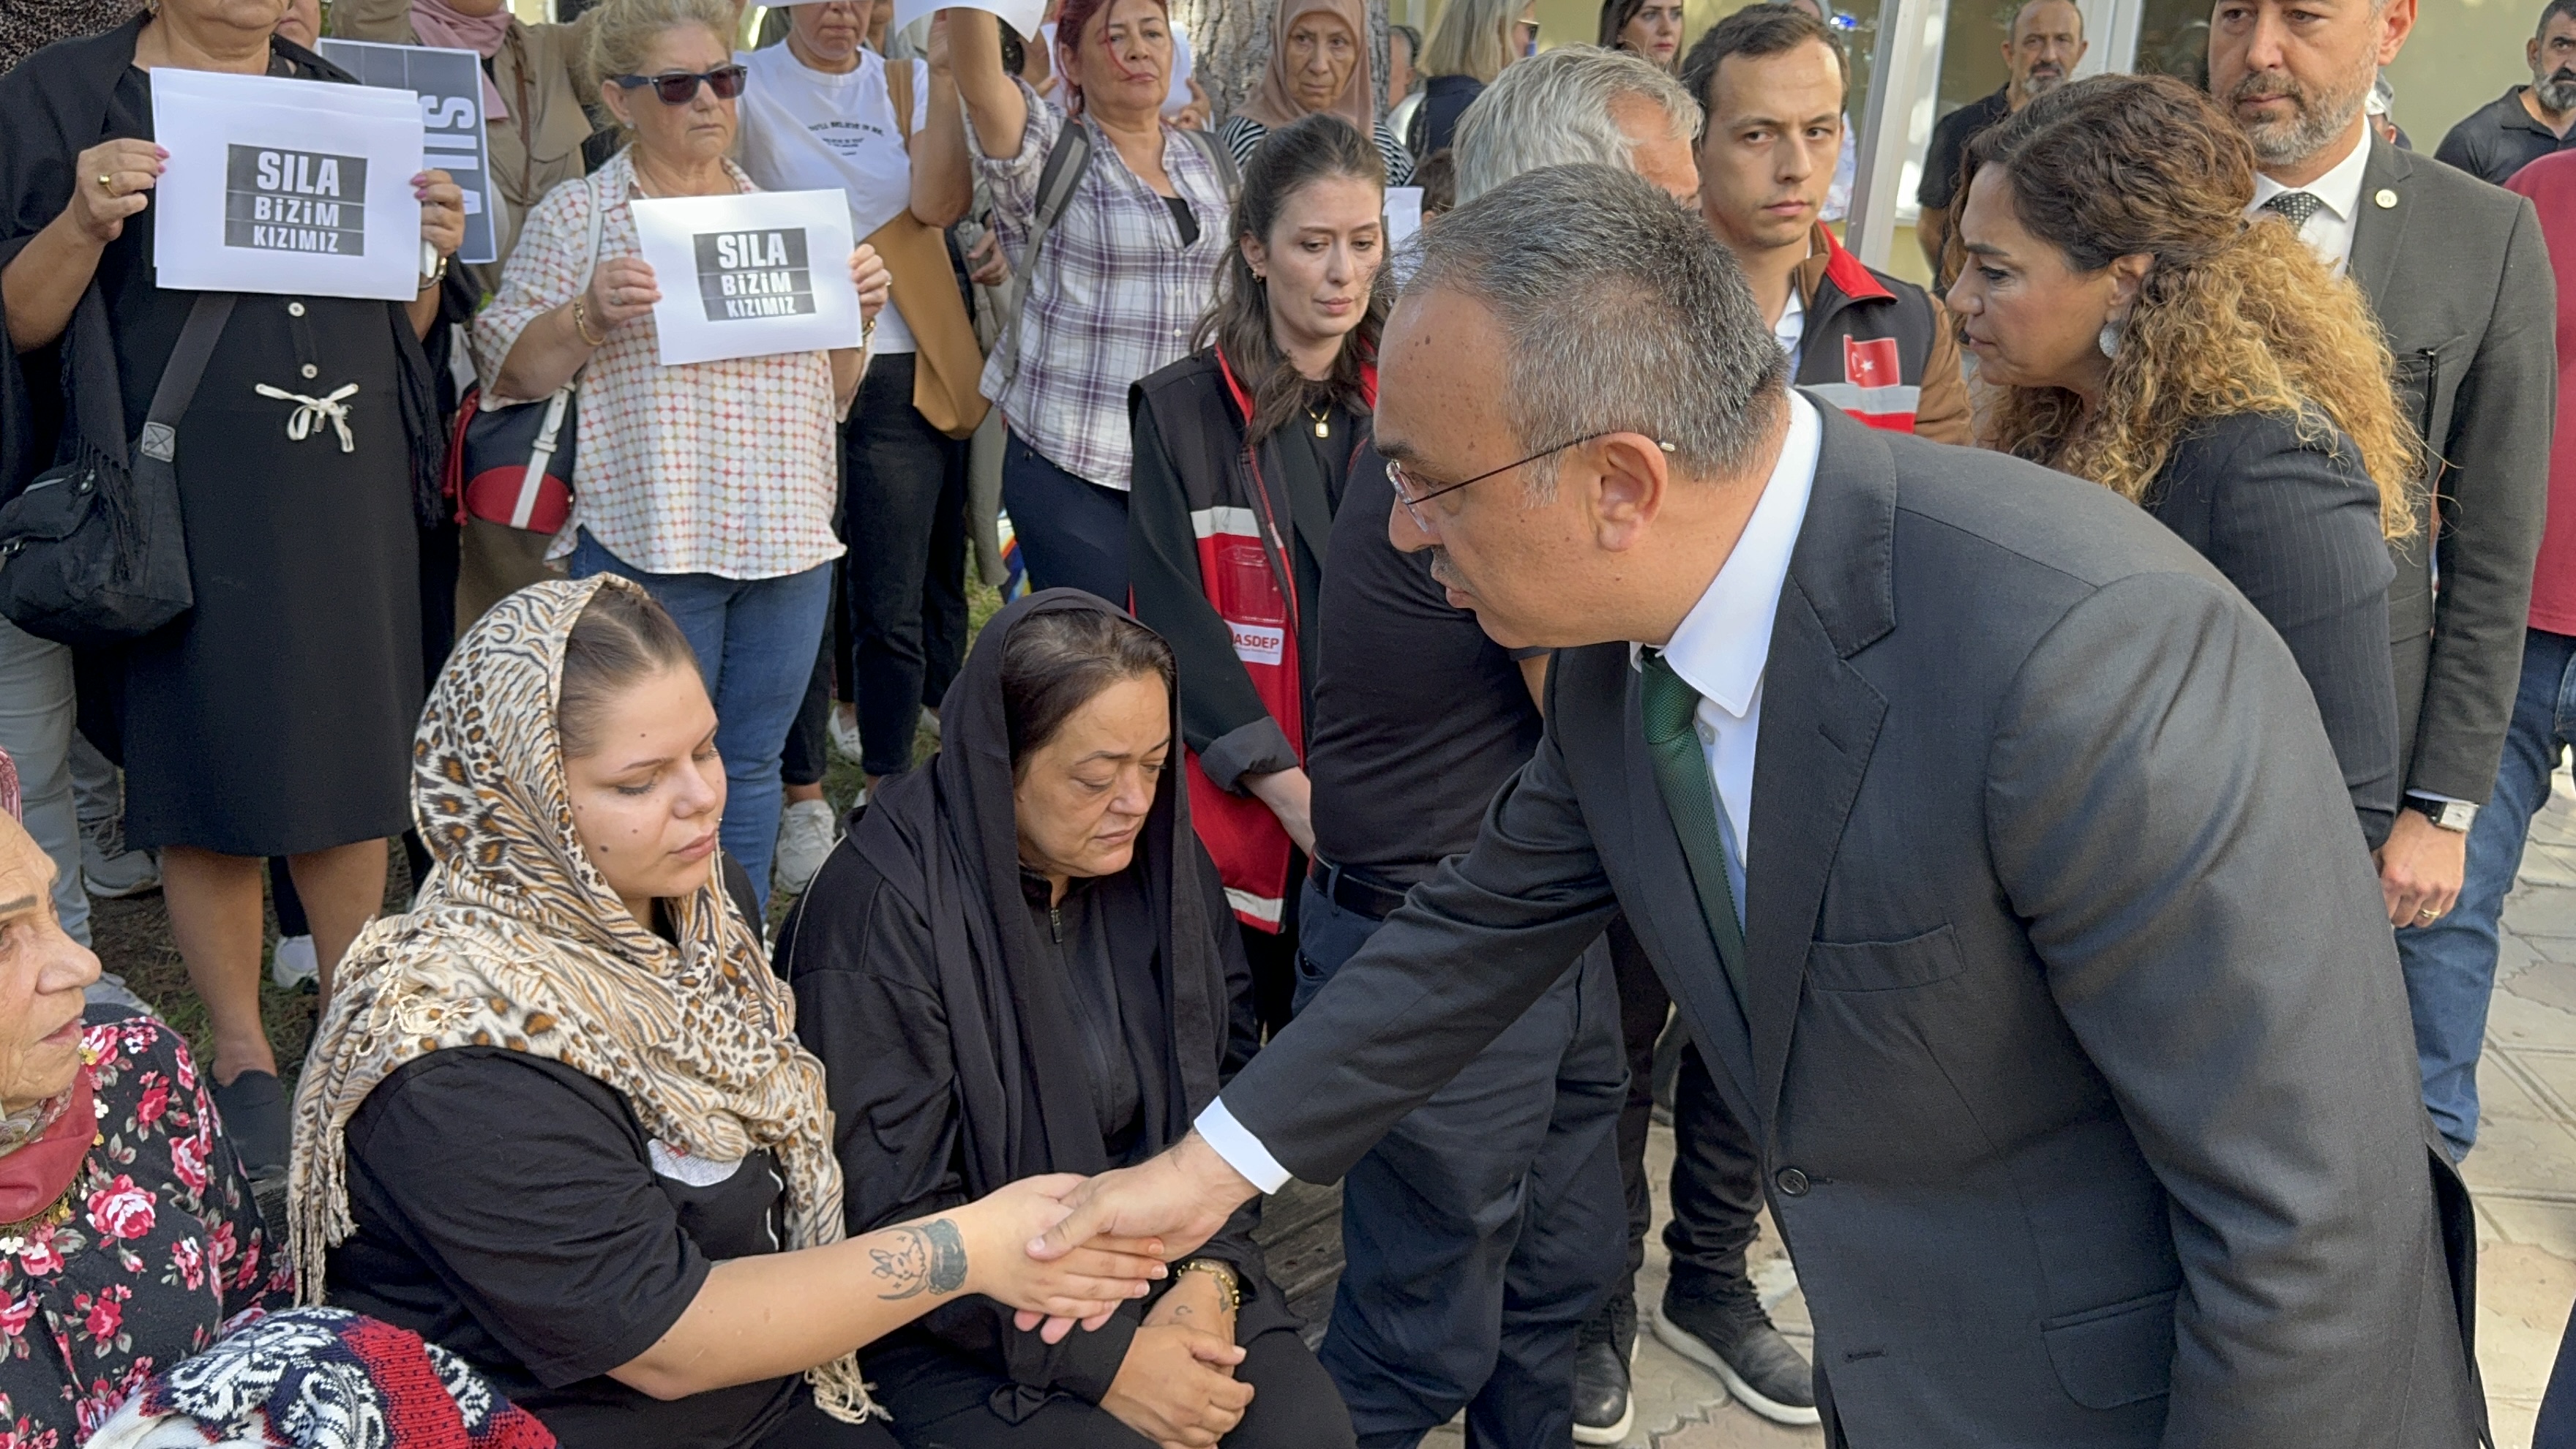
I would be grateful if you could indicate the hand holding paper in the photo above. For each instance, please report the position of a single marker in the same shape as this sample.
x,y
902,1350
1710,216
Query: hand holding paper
x,y
109,183
868,273
442,211
621,290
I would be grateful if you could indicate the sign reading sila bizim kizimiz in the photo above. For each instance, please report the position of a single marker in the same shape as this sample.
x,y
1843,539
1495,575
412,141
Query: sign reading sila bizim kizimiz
x,y
749,275
293,186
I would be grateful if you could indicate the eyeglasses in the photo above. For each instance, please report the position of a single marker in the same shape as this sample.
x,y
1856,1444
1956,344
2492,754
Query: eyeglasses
x,y
679,87
1405,482
1529,36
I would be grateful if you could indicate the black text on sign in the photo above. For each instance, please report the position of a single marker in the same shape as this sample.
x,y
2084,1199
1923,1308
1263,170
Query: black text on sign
x,y
747,275
277,200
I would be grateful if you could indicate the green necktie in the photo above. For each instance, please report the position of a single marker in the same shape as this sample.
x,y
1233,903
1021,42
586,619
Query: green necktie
x,y
1669,707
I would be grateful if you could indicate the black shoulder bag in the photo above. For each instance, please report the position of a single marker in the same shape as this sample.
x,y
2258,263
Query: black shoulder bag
x,y
94,551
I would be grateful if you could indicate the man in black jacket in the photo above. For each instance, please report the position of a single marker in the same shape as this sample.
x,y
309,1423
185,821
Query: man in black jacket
x,y
1480,1233
2460,280
2526,122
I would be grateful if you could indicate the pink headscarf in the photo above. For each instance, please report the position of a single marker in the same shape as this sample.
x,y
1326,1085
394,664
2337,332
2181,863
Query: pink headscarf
x,y
443,25
1274,102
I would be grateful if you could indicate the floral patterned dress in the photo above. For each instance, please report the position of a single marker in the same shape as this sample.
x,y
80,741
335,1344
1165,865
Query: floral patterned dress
x,y
161,1248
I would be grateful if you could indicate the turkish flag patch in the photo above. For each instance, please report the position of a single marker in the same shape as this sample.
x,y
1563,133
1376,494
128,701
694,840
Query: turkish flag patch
x,y
1871,364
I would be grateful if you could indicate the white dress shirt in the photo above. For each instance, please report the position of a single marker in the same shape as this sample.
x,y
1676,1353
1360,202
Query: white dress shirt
x,y
2328,232
1719,649
1791,330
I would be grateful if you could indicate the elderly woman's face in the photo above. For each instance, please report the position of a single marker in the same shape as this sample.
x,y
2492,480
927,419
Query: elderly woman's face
x,y
1124,60
259,15
832,29
694,132
1321,55
1082,797
302,23
42,975
648,795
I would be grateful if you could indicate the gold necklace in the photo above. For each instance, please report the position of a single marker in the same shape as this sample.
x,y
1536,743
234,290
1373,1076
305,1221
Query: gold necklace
x,y
1323,428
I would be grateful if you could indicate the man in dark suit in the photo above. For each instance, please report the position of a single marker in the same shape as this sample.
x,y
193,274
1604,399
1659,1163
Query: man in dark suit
x,y
2460,279
2072,1046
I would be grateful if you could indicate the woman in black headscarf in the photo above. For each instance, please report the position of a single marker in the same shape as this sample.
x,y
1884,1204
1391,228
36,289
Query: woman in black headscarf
x,y
1020,960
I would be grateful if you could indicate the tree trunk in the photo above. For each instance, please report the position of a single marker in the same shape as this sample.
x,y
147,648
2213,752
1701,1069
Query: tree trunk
x,y
1231,39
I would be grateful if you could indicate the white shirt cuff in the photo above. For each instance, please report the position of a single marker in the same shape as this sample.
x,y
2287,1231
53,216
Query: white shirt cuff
x,y
1241,1150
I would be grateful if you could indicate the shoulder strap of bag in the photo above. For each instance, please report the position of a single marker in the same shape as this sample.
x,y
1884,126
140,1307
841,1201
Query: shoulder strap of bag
x,y
1227,174
179,379
1065,164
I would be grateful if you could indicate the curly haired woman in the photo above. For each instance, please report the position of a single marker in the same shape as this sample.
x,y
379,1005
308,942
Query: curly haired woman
x,y
2145,335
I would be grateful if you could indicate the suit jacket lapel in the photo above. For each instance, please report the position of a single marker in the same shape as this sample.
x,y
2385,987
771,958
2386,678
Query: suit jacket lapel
x,y
1673,931
2377,231
1820,720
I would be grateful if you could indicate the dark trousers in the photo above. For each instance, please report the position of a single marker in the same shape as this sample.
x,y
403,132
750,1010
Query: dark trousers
x,y
807,756
1716,1187
1479,1235
942,1400
2556,1428
903,517
1072,531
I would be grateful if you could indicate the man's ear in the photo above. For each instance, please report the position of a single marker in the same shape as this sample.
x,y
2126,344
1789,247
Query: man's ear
x,y
1630,475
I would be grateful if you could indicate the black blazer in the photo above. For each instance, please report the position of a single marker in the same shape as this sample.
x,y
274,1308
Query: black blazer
x,y
2460,280
2075,1052
2294,524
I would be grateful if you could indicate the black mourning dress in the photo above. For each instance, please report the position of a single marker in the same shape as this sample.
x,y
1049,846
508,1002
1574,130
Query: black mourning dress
x,y
276,716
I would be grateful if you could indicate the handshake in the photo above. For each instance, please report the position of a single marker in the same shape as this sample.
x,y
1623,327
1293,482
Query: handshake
x,y
1065,1251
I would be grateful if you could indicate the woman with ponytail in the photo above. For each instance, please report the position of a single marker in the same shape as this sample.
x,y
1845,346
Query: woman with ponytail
x,y
1242,449
2144,334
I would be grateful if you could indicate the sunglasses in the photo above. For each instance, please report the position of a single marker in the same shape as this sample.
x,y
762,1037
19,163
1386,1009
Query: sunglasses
x,y
679,87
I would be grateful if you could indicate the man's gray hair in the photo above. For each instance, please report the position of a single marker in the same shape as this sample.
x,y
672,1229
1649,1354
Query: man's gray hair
x,y
1623,314
1554,110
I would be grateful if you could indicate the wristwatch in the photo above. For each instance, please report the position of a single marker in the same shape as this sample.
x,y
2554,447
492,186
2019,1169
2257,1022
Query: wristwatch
x,y
2452,815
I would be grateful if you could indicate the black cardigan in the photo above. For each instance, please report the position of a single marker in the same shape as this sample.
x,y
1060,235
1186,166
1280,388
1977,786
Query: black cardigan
x,y
2294,523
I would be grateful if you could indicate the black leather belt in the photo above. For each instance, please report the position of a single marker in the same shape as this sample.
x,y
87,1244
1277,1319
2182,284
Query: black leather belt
x,y
1354,890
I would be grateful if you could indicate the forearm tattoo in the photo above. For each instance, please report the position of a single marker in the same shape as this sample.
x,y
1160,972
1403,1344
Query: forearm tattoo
x,y
930,1258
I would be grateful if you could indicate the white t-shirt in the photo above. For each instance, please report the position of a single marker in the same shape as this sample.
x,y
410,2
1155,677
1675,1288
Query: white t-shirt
x,y
809,130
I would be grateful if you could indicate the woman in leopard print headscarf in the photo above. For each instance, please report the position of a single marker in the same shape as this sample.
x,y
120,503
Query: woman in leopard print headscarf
x,y
556,1118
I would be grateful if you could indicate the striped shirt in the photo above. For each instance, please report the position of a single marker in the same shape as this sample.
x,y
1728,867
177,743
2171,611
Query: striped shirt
x,y
724,468
1116,294
1243,135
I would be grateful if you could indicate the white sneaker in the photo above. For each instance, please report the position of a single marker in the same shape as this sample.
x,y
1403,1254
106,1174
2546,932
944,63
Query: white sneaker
x,y
295,963
807,831
845,732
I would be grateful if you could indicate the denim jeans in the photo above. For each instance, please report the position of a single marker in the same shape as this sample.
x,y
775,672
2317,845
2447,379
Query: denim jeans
x,y
37,705
2451,964
755,640
1072,531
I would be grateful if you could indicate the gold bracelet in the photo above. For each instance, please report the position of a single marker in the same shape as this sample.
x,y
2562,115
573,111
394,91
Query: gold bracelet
x,y
1226,1280
581,324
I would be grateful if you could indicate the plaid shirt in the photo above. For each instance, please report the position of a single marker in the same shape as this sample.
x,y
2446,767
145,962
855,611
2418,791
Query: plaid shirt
x,y
1115,297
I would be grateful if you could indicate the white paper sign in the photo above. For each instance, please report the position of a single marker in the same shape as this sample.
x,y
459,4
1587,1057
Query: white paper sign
x,y
1403,214
277,185
449,84
745,276
1021,15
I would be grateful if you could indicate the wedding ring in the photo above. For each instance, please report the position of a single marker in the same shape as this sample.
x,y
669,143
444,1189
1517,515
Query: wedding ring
x,y
107,183
2428,915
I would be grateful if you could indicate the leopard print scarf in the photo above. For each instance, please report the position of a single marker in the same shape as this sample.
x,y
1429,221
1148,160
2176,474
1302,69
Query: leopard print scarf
x,y
516,941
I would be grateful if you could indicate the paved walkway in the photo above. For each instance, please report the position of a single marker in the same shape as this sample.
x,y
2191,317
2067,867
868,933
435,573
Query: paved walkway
x,y
2523,1173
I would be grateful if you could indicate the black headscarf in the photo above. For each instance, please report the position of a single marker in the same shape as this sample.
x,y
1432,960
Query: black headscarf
x,y
946,837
